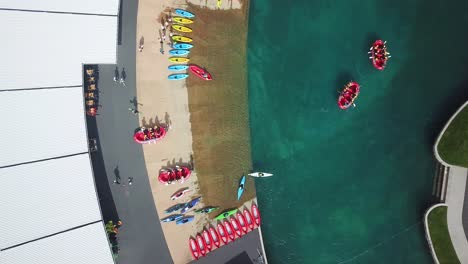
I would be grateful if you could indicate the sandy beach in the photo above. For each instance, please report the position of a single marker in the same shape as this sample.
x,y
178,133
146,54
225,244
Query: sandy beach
x,y
166,102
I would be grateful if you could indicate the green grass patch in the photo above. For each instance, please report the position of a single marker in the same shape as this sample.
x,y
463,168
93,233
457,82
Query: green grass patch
x,y
440,236
453,146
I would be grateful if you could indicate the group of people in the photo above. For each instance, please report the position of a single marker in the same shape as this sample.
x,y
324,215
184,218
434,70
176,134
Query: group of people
x,y
380,53
165,28
151,133
348,95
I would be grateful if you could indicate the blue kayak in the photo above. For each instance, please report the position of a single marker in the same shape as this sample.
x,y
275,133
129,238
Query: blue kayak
x,y
185,220
184,13
172,218
182,46
190,205
177,67
178,76
240,190
175,208
179,52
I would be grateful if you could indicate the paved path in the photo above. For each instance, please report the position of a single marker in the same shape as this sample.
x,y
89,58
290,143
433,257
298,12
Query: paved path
x,y
140,238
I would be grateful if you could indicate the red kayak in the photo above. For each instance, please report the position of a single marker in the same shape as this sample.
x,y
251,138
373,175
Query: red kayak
x,y
223,234
236,226
242,222
200,72
379,54
229,230
207,238
256,214
248,219
214,236
171,176
201,245
149,135
194,248
179,193
348,95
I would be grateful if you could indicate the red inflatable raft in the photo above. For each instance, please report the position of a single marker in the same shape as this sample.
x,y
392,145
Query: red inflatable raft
x,y
207,238
379,54
236,226
171,176
348,95
223,233
149,135
194,248
201,245
248,219
200,72
242,222
256,214
214,236
229,230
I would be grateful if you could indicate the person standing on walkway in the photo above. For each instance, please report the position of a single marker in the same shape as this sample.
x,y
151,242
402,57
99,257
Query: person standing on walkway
x,y
134,111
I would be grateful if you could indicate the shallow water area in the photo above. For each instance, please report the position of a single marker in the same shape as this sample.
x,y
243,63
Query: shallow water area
x,y
350,186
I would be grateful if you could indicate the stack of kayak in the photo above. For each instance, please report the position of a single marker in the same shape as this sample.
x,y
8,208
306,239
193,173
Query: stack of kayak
x,y
232,224
181,48
173,175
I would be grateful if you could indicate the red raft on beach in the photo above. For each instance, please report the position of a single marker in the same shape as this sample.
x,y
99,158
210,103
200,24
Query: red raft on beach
x,y
200,72
194,248
171,176
149,135
348,95
379,54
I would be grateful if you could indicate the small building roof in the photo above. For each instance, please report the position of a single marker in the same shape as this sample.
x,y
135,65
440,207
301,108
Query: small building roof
x,y
101,7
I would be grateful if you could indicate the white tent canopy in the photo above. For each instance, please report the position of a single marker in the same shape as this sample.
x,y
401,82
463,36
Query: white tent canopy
x,y
101,7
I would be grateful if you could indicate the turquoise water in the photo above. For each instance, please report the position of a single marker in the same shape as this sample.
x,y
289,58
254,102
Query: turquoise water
x,y
350,186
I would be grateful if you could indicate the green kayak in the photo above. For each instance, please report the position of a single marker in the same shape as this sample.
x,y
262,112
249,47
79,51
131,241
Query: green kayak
x,y
206,210
226,214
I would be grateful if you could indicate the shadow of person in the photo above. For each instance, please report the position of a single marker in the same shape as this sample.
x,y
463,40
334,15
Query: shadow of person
x,y
116,73
135,102
192,164
150,122
124,74
142,41
117,174
167,119
143,122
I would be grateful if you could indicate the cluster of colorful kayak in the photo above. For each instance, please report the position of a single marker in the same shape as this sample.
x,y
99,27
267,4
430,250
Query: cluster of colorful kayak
x,y
180,218
173,175
233,226
379,57
182,47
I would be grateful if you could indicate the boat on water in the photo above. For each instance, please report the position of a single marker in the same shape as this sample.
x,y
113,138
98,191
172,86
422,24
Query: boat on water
x,y
222,233
200,72
173,175
177,67
149,135
181,39
185,220
201,245
236,226
207,238
184,46
184,13
226,214
214,236
229,230
180,52
190,205
348,95
260,174
249,219
180,28
174,208
194,248
240,189
180,193
177,76
206,210
379,54
182,20
242,222
179,59
172,218
255,214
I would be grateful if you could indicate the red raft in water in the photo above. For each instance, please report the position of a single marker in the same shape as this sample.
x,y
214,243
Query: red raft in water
x,y
171,176
200,72
348,95
379,54
149,135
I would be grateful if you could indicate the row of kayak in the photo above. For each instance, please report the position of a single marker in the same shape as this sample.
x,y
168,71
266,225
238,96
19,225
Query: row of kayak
x,y
226,231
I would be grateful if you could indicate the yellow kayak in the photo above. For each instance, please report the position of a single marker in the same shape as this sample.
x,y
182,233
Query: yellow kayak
x,y
182,39
181,28
219,3
182,20
178,59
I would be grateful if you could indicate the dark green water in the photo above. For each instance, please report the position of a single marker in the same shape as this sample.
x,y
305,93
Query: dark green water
x,y
351,186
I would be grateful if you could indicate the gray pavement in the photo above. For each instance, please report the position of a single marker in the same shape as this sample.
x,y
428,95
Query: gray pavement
x,y
141,239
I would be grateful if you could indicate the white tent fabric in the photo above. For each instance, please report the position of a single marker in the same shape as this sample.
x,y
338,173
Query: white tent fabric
x,y
102,7
79,246
41,124
48,49
47,197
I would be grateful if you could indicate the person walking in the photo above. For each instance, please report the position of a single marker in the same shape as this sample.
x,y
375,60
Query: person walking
x,y
130,180
134,111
